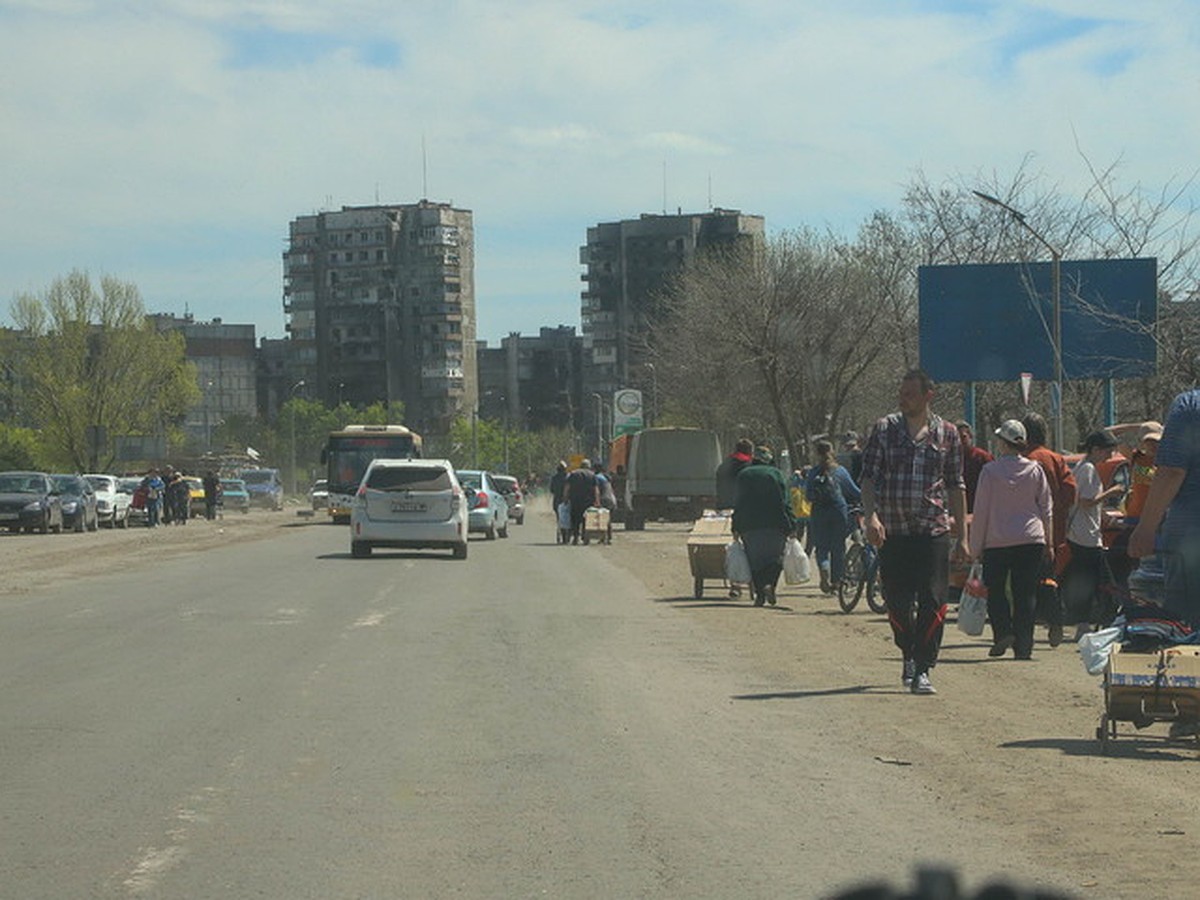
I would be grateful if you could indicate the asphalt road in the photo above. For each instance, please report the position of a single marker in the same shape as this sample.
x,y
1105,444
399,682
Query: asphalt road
x,y
273,719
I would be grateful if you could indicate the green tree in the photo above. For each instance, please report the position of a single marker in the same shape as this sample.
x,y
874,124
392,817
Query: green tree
x,y
20,448
97,367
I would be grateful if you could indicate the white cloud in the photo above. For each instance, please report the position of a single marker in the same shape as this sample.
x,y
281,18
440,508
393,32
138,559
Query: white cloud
x,y
127,129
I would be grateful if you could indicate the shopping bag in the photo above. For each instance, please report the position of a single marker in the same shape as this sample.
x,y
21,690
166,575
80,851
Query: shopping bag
x,y
737,564
564,516
972,608
1096,647
796,567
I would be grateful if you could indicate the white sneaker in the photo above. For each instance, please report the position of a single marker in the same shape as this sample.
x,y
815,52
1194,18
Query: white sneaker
x,y
922,685
910,669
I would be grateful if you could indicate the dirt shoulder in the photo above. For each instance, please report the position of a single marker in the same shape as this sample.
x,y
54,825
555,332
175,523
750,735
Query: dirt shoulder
x,y
34,562
1005,742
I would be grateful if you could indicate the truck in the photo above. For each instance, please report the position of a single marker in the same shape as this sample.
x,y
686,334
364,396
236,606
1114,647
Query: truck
x,y
670,474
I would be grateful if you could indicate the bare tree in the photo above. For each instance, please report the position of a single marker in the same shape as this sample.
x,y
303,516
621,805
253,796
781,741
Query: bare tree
x,y
788,333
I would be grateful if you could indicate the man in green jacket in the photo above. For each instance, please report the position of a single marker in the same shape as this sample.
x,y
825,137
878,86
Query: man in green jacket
x,y
762,519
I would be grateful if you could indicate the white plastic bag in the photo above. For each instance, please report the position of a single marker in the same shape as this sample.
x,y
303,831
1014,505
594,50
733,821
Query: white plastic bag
x,y
972,608
1096,647
796,567
564,516
737,564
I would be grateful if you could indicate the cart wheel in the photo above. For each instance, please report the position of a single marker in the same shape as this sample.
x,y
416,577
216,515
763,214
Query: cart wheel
x,y
698,588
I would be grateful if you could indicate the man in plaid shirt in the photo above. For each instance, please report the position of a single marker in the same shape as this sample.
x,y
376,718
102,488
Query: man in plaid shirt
x,y
915,504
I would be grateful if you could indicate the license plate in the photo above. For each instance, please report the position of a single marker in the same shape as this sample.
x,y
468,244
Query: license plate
x,y
8,516
678,499
408,506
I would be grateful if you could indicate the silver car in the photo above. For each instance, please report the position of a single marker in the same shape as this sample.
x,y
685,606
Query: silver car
x,y
409,503
489,509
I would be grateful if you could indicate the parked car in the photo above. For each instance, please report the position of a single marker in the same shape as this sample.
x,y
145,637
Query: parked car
x,y
195,496
234,495
28,501
319,494
414,503
132,485
489,509
265,487
112,503
511,489
78,502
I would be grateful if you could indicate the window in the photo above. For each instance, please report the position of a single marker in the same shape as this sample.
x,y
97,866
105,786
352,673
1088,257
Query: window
x,y
409,478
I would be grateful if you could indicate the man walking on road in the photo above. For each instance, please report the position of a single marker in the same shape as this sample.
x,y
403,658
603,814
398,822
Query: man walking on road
x,y
914,503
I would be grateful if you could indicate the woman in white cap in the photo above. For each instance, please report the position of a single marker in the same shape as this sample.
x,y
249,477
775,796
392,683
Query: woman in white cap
x,y
1011,533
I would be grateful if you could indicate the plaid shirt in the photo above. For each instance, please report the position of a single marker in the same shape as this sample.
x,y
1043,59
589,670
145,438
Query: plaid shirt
x,y
912,479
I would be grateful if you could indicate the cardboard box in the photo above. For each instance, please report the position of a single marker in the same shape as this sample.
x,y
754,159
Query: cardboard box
x,y
1164,684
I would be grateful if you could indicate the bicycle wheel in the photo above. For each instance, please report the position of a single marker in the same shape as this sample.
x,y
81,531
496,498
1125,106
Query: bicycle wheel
x,y
875,598
849,588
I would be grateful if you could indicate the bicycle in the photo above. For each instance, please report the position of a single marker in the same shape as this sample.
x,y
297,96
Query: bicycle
x,y
860,573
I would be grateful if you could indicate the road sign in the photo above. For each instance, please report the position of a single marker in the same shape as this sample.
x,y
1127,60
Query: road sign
x,y
993,322
627,412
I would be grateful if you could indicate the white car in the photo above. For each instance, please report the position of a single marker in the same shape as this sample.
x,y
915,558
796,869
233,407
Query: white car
x,y
409,503
112,503
489,509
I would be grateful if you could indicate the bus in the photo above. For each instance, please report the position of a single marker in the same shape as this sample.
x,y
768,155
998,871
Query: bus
x,y
349,451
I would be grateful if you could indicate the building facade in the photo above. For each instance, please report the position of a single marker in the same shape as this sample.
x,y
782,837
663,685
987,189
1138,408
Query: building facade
x,y
533,382
224,357
380,306
627,264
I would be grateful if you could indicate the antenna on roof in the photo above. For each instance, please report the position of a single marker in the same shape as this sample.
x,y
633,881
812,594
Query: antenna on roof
x,y
710,206
424,171
664,207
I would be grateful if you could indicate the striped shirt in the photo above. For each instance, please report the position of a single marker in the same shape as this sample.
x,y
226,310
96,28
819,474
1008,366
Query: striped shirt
x,y
913,479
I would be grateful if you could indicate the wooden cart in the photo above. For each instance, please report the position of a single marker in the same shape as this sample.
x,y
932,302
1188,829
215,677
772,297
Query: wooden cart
x,y
706,550
1148,688
597,525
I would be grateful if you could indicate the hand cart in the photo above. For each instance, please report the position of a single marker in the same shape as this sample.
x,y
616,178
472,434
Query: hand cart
x,y
1148,688
706,551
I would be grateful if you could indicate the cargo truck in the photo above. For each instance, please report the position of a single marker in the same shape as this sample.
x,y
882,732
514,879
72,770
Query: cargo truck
x,y
670,474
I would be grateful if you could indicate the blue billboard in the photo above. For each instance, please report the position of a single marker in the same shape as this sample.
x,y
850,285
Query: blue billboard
x,y
994,322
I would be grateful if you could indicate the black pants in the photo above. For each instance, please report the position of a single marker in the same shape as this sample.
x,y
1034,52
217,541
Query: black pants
x,y
1013,570
915,572
764,550
1084,600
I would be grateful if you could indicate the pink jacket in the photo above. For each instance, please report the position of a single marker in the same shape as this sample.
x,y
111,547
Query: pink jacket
x,y
1012,505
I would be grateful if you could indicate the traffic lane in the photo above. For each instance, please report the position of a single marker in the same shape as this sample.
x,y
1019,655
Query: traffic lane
x,y
529,720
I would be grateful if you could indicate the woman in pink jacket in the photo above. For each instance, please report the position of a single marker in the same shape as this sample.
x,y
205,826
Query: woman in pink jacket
x,y
1009,532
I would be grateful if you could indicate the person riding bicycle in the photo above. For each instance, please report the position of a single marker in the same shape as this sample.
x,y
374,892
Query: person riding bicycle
x,y
830,491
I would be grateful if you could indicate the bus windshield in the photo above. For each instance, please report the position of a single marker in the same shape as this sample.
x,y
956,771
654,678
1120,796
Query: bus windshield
x,y
348,455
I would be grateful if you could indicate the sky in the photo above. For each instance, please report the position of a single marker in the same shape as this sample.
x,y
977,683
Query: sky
x,y
170,142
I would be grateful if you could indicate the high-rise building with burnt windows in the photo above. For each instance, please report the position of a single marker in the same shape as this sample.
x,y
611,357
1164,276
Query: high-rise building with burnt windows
x,y
627,264
380,305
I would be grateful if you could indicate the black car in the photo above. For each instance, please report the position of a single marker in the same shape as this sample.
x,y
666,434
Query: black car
x,y
28,501
78,500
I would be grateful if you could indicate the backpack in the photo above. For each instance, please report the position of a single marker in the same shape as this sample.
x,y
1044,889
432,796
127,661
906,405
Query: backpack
x,y
825,490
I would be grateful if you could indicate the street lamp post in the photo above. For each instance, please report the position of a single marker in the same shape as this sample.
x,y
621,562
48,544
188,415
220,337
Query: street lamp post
x,y
653,394
1056,389
291,396
599,420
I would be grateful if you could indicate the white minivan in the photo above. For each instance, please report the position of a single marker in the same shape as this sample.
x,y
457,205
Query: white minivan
x,y
409,503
